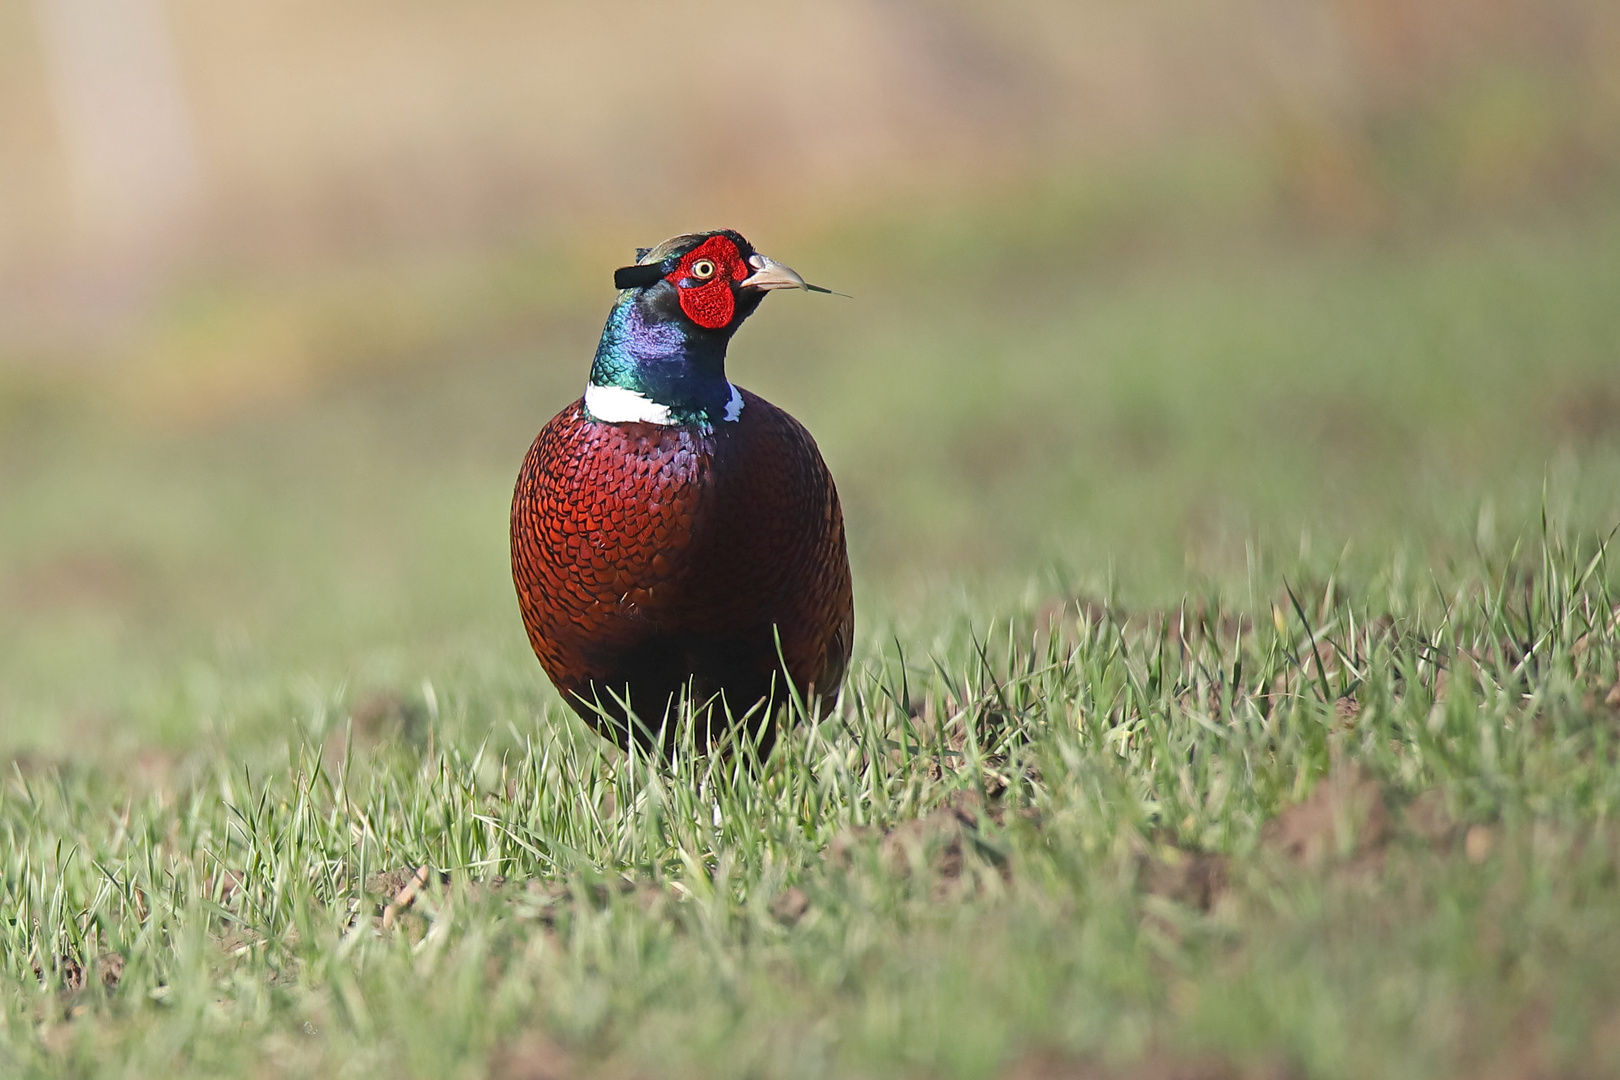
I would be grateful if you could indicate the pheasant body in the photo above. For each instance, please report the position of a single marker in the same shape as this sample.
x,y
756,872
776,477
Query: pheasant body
x,y
690,541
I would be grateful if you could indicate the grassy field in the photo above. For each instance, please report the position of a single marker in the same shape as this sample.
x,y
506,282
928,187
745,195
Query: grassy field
x,y
1235,691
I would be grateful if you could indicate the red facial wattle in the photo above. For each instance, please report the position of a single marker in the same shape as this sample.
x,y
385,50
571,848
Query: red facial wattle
x,y
708,301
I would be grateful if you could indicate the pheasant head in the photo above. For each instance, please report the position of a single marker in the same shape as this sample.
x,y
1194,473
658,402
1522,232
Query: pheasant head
x,y
662,358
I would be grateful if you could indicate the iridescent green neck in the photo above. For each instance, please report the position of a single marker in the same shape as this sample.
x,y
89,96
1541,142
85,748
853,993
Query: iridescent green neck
x,y
681,375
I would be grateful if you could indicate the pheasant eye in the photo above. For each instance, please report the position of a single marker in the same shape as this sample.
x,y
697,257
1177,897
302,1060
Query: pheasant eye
x,y
703,269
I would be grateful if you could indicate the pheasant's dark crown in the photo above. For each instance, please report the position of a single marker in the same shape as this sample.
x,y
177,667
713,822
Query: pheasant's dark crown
x,y
668,254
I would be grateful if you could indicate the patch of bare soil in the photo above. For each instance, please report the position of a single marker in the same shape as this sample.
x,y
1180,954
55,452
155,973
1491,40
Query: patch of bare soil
x,y
401,887
1427,818
107,969
1047,1066
401,884
1523,1044
1344,821
31,763
1587,414
80,580
406,899
1068,618
531,1056
790,905
1193,879
386,718
946,724
945,847
226,886
398,894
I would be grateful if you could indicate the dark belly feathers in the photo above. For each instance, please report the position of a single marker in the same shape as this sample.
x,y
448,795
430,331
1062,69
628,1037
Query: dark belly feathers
x,y
651,559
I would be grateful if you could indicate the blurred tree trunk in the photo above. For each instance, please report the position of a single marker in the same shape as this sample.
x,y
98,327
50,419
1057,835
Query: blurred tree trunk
x,y
126,129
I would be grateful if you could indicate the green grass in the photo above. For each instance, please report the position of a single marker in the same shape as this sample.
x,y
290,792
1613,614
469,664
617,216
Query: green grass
x,y
1445,899
1232,697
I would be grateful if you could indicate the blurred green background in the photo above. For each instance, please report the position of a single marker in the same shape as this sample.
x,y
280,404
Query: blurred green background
x,y
1143,295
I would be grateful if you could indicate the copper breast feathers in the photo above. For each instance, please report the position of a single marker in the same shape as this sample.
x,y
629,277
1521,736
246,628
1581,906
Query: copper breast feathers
x,y
653,560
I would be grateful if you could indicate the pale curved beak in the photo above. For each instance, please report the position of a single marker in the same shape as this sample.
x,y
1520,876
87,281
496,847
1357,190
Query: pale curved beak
x,y
770,274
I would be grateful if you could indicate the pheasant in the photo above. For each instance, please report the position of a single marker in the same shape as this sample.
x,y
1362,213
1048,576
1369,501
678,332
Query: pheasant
x,y
674,534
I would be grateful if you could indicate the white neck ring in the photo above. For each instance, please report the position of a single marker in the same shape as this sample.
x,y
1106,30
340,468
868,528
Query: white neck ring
x,y
619,405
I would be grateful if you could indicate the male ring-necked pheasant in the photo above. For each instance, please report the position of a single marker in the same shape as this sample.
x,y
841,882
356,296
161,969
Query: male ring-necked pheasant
x,y
673,533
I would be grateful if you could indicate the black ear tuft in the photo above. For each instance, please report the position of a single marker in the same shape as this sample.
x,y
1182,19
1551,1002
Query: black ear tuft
x,y
641,253
636,277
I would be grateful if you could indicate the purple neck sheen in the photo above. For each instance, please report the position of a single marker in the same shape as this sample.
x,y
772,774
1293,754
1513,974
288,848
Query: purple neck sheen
x,y
654,353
